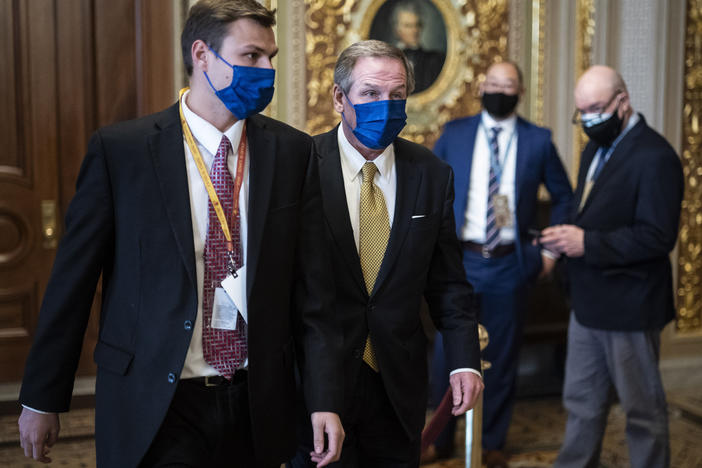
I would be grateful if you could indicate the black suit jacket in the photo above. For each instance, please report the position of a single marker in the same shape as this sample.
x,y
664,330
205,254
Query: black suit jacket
x,y
423,259
427,66
624,280
130,220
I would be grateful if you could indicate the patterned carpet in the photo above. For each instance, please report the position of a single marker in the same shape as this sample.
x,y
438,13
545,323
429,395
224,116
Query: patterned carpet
x,y
533,440
537,432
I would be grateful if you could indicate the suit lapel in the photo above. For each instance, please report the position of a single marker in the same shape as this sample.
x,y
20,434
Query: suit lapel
x,y
168,157
408,182
262,147
523,155
585,161
336,209
618,157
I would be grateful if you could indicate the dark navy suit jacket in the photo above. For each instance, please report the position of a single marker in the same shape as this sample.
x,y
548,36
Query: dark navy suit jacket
x,y
537,162
624,280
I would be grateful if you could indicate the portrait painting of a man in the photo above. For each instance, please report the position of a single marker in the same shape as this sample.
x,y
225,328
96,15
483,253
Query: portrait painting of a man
x,y
416,27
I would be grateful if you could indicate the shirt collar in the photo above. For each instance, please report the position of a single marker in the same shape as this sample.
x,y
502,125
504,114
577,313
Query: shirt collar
x,y
507,125
352,161
207,134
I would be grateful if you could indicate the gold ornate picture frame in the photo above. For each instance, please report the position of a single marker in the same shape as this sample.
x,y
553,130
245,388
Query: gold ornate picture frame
x,y
476,36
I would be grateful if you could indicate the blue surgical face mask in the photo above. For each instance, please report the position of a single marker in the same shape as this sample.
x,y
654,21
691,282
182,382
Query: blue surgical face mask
x,y
379,122
250,91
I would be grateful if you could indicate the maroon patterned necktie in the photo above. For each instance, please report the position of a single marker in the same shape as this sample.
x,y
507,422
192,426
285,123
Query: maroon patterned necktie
x,y
225,350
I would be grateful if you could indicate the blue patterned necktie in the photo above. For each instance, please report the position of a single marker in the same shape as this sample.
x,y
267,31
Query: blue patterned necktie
x,y
492,232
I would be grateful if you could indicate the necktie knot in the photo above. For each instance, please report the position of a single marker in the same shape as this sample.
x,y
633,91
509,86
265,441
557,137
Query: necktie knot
x,y
369,169
224,147
495,131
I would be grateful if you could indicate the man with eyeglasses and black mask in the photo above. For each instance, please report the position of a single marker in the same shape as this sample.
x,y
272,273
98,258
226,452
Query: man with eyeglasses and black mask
x,y
624,224
499,160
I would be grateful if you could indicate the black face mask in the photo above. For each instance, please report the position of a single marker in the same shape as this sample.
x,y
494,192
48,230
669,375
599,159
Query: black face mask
x,y
604,133
500,105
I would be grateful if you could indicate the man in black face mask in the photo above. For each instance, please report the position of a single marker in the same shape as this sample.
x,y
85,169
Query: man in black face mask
x,y
624,225
499,161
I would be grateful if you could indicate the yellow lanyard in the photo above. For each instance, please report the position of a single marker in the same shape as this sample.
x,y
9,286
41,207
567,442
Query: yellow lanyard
x,y
202,169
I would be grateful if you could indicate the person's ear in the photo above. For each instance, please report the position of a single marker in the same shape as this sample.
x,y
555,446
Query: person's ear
x,y
338,98
624,104
199,54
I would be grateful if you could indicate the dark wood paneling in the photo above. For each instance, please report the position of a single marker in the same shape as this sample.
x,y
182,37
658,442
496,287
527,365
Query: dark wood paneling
x,y
15,236
16,308
30,57
66,68
9,42
155,68
115,61
75,39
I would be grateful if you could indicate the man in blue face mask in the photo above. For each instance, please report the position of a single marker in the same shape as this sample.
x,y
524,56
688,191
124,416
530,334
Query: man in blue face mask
x,y
205,220
390,231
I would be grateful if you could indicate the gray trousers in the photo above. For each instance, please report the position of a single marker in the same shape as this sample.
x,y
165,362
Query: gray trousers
x,y
599,363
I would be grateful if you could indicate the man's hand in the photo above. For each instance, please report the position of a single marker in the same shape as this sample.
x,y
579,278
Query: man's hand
x,y
466,388
329,424
547,266
38,433
564,238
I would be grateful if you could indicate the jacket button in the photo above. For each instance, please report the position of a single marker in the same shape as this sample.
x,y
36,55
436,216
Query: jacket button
x,y
357,353
171,377
188,325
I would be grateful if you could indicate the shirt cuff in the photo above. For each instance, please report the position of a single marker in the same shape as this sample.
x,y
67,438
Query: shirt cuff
x,y
466,369
549,254
35,410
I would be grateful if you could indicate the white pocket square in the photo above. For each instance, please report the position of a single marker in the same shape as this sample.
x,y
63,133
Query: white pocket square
x,y
419,216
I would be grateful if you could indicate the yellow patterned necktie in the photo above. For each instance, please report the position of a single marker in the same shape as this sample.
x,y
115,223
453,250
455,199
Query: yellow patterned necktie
x,y
373,235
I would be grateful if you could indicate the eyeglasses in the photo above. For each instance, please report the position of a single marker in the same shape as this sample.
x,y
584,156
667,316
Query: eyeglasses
x,y
507,88
578,114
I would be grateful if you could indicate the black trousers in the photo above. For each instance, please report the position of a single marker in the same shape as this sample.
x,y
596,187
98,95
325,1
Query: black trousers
x,y
375,437
205,427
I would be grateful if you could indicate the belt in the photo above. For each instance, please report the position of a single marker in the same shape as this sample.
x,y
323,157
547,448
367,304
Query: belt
x,y
499,251
219,381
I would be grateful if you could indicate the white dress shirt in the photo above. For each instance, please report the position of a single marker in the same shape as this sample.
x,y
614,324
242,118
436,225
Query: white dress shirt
x,y
385,179
476,209
208,137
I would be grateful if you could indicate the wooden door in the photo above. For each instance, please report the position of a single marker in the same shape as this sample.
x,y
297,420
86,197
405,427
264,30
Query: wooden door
x,y
66,68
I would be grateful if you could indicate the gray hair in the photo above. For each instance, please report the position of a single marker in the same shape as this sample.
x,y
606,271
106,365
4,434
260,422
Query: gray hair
x,y
371,48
